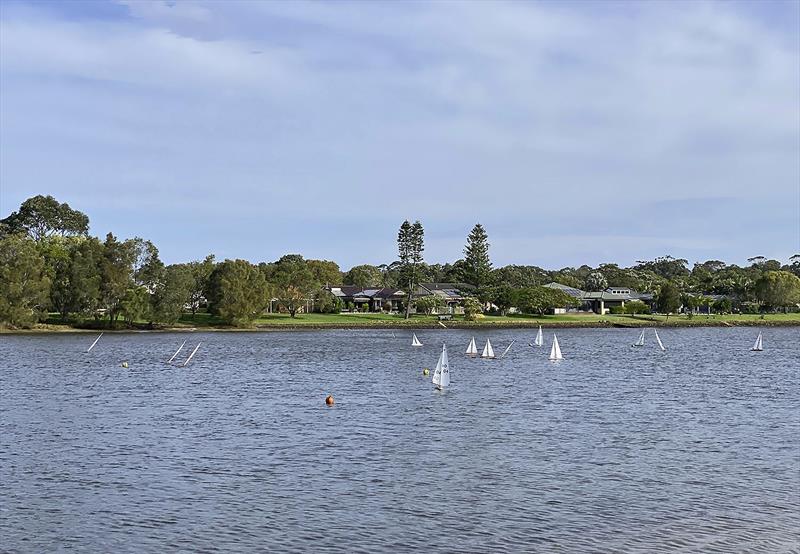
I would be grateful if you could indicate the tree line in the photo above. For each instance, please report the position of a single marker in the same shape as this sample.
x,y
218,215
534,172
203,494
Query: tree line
x,y
49,264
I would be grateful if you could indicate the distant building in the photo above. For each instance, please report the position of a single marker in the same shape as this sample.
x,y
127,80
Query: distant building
x,y
451,293
368,299
601,302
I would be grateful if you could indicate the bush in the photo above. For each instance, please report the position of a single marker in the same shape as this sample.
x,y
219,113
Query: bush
x,y
472,308
616,310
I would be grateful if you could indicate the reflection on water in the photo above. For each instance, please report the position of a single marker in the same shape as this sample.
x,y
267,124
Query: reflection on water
x,y
612,449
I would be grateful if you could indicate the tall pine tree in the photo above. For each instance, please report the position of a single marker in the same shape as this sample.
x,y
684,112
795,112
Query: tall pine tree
x,y
477,266
410,245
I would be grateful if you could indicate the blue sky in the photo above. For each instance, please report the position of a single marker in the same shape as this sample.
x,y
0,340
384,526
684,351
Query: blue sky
x,y
575,132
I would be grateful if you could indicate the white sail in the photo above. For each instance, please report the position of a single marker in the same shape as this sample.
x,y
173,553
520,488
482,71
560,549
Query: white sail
x,y
189,359
472,349
441,375
658,340
176,352
95,342
539,341
759,345
555,350
488,351
415,341
640,340
503,355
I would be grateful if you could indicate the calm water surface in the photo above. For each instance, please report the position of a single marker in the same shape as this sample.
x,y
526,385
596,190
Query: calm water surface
x,y
613,449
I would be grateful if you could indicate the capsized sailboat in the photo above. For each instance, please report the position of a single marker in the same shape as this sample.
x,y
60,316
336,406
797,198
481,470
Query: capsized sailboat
x,y
415,341
555,350
472,349
759,345
95,342
658,340
441,375
488,351
503,355
640,340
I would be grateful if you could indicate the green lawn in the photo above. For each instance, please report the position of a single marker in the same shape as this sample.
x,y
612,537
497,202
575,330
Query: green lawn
x,y
382,319
378,320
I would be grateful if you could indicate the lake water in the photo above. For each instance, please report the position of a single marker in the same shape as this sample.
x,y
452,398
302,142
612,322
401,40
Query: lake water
x,y
613,449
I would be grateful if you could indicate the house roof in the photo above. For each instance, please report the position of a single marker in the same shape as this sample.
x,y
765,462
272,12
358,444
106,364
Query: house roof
x,y
572,291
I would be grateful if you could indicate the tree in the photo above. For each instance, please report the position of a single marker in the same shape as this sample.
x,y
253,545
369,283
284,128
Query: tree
x,y
135,304
668,299
477,268
24,285
636,307
504,297
541,299
43,216
364,276
666,267
148,269
596,281
239,291
199,285
520,276
116,274
294,282
429,303
472,308
778,289
794,264
172,293
325,272
74,269
410,245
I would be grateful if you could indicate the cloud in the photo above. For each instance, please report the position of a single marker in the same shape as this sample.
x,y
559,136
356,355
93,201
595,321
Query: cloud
x,y
565,121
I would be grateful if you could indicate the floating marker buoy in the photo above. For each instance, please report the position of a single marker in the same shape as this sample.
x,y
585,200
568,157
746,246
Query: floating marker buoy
x,y
124,364
329,400
425,371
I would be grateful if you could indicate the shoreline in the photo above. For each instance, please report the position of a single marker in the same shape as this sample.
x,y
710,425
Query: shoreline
x,y
388,325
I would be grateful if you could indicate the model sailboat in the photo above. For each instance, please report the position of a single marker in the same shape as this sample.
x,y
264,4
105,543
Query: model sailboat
x,y
759,345
441,375
640,341
415,341
658,340
539,340
555,350
488,351
472,349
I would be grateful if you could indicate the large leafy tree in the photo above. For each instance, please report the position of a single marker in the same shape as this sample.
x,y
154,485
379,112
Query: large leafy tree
x,y
116,274
74,268
596,281
238,291
539,300
410,245
43,216
325,272
172,293
477,268
778,289
200,283
294,282
668,299
24,284
364,276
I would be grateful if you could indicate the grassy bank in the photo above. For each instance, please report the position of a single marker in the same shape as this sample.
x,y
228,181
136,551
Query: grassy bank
x,y
203,321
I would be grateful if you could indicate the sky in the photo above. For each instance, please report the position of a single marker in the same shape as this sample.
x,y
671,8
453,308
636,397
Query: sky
x,y
575,132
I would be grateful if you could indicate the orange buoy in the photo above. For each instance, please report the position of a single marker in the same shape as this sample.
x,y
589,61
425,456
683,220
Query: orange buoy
x,y
329,400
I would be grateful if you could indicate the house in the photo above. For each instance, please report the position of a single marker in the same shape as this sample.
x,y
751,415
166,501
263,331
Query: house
x,y
451,294
602,301
368,299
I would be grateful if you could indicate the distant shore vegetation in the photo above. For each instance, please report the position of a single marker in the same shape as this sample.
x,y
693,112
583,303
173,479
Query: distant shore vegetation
x,y
52,271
